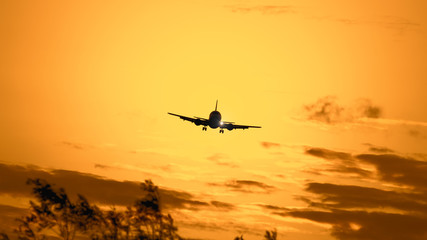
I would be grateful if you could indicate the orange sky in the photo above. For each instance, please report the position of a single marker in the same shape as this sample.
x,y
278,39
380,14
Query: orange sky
x,y
85,87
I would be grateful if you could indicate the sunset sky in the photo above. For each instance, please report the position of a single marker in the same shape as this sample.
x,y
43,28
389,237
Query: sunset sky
x,y
339,88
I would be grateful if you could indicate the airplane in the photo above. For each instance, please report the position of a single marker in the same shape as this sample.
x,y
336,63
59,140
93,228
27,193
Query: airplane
x,y
214,121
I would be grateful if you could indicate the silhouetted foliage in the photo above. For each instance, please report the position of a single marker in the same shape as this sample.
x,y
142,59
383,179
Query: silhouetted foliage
x,y
4,236
271,235
55,214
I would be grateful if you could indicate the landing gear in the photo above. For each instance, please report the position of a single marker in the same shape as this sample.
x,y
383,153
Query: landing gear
x,y
221,131
204,128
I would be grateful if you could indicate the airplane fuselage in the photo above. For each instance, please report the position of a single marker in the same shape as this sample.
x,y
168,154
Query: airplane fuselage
x,y
214,119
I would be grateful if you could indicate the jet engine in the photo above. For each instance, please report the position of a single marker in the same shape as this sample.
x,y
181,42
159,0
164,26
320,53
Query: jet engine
x,y
197,122
230,127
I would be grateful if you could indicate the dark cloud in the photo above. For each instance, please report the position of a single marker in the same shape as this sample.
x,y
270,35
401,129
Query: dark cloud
x,y
341,168
342,162
180,200
246,186
272,207
327,110
389,167
378,149
95,188
365,225
270,144
333,196
327,154
266,9
398,169
223,205
360,212
370,111
217,158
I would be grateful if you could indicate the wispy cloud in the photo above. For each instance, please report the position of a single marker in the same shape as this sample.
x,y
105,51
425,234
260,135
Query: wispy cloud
x,y
264,9
327,154
398,24
246,186
270,144
362,112
102,166
223,205
218,159
378,149
77,146
417,133
327,110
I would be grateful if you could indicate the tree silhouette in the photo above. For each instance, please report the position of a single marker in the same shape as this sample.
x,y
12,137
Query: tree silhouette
x,y
4,236
271,235
53,213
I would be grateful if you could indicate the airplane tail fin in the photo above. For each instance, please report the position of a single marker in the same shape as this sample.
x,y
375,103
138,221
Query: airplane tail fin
x,y
216,105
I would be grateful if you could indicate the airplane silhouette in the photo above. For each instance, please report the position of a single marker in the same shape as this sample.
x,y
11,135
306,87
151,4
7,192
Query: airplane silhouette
x,y
214,121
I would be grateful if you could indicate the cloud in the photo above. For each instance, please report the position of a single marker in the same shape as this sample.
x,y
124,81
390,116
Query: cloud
x,y
95,188
356,212
398,24
77,146
270,145
327,110
397,169
264,9
390,167
246,186
327,154
377,149
361,212
222,205
102,166
341,168
216,158
342,162
365,225
417,133
272,207
334,196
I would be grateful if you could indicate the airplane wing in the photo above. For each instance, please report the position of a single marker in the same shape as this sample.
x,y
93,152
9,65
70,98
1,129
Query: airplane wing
x,y
231,126
196,120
